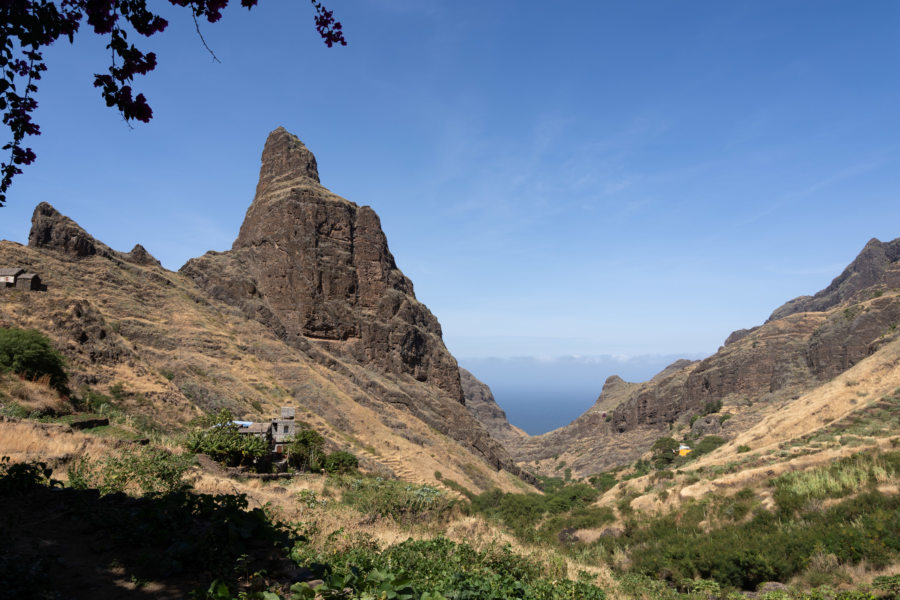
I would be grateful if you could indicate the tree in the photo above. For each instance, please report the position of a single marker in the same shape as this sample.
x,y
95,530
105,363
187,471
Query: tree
x,y
664,450
29,26
307,450
221,441
27,352
340,461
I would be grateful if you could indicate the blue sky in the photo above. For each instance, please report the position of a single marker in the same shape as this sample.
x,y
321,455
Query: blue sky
x,y
558,179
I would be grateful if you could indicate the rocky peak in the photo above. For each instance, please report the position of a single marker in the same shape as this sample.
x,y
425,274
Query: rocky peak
x,y
315,268
139,255
867,269
285,161
52,230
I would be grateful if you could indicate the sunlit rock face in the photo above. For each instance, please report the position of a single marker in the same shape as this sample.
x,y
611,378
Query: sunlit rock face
x,y
316,269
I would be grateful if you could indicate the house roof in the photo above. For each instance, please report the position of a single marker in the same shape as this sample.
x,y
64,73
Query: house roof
x,y
10,272
255,428
28,275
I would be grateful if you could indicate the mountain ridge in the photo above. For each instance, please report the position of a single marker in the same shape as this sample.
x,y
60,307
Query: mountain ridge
x,y
804,344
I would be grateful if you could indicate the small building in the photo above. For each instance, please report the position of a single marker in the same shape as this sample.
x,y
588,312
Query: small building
x,y
278,433
8,276
263,430
283,429
29,282
17,278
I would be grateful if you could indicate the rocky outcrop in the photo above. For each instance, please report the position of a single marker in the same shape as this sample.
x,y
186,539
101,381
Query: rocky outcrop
x,y
871,267
140,256
806,342
738,335
53,231
315,268
481,405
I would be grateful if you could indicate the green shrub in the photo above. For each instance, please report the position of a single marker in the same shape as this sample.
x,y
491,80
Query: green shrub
x,y
712,406
439,569
223,443
743,448
398,500
743,553
28,353
340,462
708,444
146,469
603,481
307,450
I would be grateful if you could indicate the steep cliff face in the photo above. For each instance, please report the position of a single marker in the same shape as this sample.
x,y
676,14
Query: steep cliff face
x,y
316,270
481,404
315,267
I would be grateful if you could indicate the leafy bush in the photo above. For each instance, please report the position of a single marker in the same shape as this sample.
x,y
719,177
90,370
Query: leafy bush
x,y
767,547
712,406
28,353
603,481
307,450
19,477
439,569
397,500
340,462
223,443
707,445
149,470
521,512
665,451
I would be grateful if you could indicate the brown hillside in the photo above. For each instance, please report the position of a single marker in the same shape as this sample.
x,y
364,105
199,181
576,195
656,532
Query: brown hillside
x,y
360,358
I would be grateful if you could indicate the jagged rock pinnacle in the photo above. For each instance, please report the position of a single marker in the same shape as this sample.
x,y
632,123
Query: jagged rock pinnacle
x,y
285,159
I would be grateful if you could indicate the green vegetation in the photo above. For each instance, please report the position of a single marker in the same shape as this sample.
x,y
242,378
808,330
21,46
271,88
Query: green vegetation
x,y
222,442
735,542
793,491
565,506
603,481
340,461
388,498
28,353
150,470
306,451
437,569
707,445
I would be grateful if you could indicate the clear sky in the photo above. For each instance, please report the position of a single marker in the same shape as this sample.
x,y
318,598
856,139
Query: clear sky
x,y
575,178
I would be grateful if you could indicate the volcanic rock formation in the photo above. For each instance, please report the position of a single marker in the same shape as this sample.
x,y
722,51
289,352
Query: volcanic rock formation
x,y
481,404
51,230
314,266
316,270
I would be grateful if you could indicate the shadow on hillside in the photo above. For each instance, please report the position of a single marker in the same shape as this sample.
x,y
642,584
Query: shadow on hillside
x,y
64,543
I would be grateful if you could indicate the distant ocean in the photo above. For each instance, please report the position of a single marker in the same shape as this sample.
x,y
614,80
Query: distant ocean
x,y
540,394
539,410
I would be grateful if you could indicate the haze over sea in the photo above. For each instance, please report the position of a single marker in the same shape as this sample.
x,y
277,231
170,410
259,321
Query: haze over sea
x,y
542,394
